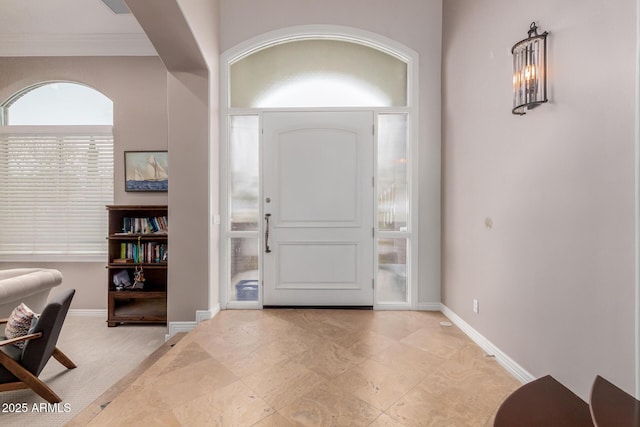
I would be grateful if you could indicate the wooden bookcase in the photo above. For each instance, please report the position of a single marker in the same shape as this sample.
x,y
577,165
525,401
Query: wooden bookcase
x,y
142,244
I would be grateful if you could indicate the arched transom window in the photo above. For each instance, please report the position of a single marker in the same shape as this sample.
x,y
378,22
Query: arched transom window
x,y
318,73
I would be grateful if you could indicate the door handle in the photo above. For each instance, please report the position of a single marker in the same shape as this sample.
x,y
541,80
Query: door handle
x,y
266,234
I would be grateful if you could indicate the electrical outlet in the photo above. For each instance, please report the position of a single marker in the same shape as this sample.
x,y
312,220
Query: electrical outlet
x,y
476,306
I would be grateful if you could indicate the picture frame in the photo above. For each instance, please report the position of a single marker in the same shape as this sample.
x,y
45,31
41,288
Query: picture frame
x,y
146,171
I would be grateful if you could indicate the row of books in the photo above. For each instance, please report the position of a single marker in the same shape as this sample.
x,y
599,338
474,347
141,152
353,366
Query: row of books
x,y
152,252
150,225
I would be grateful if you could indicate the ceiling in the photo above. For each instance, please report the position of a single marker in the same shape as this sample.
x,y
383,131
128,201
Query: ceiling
x,y
68,27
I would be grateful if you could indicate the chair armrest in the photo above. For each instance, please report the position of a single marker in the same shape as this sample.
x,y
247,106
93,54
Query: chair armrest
x,y
19,339
3,321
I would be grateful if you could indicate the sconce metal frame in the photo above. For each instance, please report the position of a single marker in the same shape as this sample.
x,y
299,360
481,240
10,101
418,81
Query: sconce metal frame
x,y
530,71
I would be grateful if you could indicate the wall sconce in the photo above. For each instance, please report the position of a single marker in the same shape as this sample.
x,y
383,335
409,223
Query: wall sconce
x,y
529,71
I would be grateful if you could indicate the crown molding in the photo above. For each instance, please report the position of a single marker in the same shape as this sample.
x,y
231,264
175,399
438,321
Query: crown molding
x,y
132,44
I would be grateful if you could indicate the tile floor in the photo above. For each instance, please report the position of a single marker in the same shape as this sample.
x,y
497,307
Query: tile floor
x,y
317,368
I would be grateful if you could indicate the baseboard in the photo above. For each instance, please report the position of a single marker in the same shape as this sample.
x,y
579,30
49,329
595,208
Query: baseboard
x,y
509,364
429,306
201,316
88,313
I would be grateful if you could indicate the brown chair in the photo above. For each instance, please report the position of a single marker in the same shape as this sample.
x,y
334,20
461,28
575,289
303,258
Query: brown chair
x,y
613,407
19,369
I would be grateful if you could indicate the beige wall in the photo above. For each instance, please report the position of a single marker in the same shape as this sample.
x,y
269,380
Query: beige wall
x,y
137,87
416,24
555,274
185,36
203,19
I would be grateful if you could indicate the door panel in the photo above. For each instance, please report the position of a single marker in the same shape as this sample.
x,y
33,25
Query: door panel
x,y
304,265
318,191
317,182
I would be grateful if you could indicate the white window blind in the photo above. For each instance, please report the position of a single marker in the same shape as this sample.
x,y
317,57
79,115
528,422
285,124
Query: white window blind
x,y
54,184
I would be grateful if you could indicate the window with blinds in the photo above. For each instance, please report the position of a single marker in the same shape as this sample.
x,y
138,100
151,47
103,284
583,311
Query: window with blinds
x,y
56,173
54,184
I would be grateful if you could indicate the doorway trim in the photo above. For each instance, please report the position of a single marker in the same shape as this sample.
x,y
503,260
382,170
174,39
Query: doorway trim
x,y
330,32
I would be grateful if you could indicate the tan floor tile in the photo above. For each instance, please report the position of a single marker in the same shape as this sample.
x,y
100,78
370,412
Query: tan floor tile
x,y
385,420
440,342
409,359
330,406
395,325
227,350
273,326
366,343
376,384
318,322
327,330
182,385
275,420
127,410
265,356
352,320
233,405
485,375
161,419
329,359
183,354
283,383
424,407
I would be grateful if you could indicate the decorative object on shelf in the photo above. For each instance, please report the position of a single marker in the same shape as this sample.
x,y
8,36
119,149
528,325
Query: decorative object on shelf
x,y
529,71
138,278
121,280
146,170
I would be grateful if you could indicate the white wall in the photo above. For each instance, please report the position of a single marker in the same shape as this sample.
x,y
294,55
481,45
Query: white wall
x,y
416,24
555,275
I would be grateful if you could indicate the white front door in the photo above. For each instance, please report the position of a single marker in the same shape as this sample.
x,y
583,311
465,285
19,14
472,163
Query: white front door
x,y
318,209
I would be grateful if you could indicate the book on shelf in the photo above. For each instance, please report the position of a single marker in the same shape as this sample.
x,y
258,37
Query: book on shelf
x,y
144,253
145,225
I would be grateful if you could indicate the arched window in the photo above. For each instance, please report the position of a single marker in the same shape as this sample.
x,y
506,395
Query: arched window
x,y
58,103
318,73
56,172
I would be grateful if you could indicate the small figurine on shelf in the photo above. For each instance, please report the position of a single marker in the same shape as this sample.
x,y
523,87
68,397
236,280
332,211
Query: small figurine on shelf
x,y
121,280
138,278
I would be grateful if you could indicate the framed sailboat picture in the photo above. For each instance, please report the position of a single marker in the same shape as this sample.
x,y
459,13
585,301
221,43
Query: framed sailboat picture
x,y
146,171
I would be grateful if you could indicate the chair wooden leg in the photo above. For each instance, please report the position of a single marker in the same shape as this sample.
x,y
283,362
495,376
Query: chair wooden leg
x,y
29,379
63,359
13,386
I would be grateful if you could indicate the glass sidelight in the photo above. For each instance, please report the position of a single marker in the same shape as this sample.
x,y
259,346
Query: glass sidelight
x,y
243,209
393,188
393,207
244,173
392,270
245,275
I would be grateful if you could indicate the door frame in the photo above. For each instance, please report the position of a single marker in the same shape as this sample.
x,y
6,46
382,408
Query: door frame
x,y
220,283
